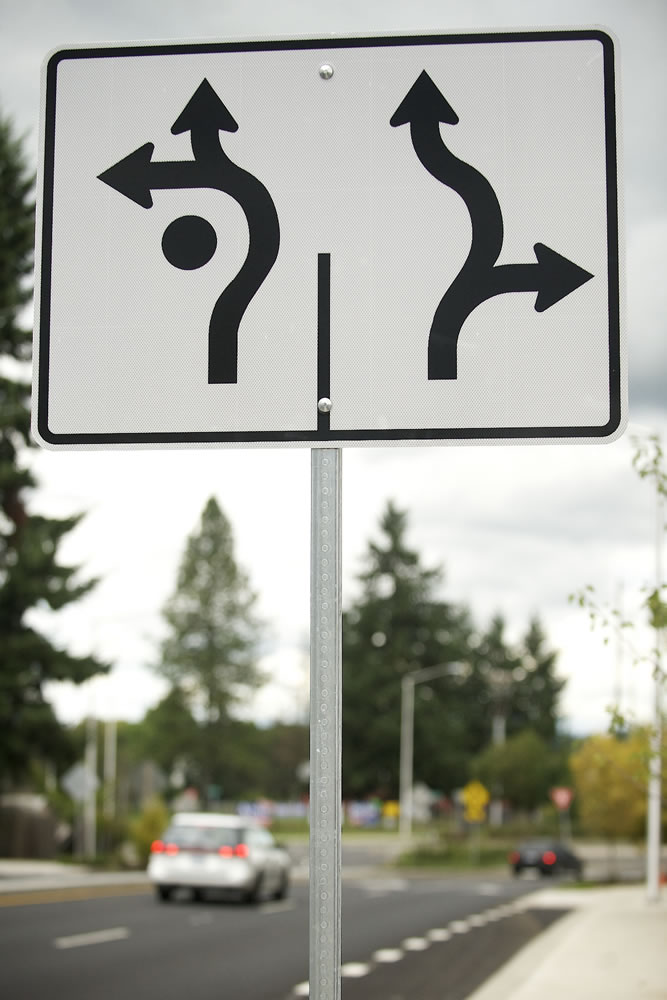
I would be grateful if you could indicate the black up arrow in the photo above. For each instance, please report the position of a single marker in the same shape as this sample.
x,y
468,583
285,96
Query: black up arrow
x,y
552,277
138,175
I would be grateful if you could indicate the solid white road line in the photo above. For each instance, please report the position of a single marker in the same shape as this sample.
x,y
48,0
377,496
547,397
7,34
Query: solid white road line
x,y
92,937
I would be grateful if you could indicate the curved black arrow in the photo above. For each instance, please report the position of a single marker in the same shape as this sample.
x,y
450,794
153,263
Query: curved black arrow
x,y
552,277
137,175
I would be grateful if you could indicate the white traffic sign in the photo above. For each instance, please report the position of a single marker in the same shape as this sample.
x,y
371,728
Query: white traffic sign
x,y
321,242
80,782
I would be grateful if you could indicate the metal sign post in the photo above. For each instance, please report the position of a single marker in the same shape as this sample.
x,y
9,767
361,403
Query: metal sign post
x,y
325,724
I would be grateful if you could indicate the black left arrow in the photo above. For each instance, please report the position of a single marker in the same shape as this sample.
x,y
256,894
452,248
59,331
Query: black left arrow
x,y
552,277
136,176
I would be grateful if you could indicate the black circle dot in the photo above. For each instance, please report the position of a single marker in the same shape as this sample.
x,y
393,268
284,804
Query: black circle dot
x,y
189,242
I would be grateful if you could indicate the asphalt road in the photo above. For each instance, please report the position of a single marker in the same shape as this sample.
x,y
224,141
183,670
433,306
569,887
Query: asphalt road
x,y
417,938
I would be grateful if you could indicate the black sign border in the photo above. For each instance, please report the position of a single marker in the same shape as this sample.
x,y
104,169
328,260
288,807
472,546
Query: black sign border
x,y
322,436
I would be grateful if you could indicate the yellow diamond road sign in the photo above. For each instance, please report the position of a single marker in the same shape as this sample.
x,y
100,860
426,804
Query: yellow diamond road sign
x,y
475,798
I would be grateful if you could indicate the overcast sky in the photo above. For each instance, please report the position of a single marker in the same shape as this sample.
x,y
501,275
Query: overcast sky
x,y
516,528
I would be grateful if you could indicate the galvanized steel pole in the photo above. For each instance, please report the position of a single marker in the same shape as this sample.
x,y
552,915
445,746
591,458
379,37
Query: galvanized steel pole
x,y
325,725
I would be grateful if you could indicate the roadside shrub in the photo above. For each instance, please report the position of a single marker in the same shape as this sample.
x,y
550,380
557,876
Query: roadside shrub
x,y
147,827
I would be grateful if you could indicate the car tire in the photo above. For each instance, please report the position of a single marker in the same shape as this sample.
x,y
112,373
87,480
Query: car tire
x,y
283,887
252,894
163,893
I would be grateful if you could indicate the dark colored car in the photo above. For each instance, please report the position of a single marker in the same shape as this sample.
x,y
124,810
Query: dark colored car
x,y
548,857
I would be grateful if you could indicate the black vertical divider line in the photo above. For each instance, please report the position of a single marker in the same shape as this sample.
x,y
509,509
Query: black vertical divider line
x,y
323,336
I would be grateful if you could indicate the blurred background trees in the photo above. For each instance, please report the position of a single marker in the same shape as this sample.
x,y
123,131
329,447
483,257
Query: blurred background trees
x,y
398,625
31,577
209,656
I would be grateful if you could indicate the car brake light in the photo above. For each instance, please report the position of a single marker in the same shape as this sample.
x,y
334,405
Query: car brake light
x,y
549,858
240,851
157,847
171,849
513,857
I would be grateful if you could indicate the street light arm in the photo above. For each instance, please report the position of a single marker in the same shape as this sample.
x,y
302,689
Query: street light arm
x,y
427,673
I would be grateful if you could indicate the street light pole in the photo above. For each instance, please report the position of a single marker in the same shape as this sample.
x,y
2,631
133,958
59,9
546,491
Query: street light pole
x,y
408,683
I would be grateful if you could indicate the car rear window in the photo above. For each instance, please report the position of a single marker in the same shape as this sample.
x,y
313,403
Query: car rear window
x,y
203,838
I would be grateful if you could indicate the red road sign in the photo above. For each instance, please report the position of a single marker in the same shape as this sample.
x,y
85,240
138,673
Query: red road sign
x,y
561,797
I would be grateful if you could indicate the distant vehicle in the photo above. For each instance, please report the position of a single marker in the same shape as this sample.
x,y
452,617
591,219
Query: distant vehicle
x,y
212,851
548,857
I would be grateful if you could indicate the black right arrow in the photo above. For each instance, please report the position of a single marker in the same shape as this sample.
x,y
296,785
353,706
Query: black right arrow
x,y
552,277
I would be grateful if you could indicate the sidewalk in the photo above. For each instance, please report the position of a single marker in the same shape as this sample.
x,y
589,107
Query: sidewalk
x,y
612,946
28,876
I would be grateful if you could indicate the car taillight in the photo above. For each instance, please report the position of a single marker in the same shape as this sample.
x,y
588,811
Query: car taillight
x,y
171,849
513,857
157,847
240,851
549,858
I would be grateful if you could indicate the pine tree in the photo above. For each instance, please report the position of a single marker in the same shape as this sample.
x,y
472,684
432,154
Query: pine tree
x,y
209,653
213,633
535,702
397,626
30,575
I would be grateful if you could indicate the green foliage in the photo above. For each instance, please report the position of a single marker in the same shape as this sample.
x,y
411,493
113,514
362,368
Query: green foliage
x,y
30,574
210,658
399,625
395,627
209,653
167,736
649,463
610,777
456,854
237,757
147,827
525,767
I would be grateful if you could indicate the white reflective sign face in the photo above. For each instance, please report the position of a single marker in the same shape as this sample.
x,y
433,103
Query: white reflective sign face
x,y
421,230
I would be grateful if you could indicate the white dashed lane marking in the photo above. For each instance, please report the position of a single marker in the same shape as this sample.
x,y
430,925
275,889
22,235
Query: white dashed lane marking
x,y
439,934
92,937
415,944
459,926
356,970
388,955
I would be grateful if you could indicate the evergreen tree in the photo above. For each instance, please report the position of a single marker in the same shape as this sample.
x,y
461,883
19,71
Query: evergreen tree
x,y
397,626
209,653
522,688
167,735
30,575
535,702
